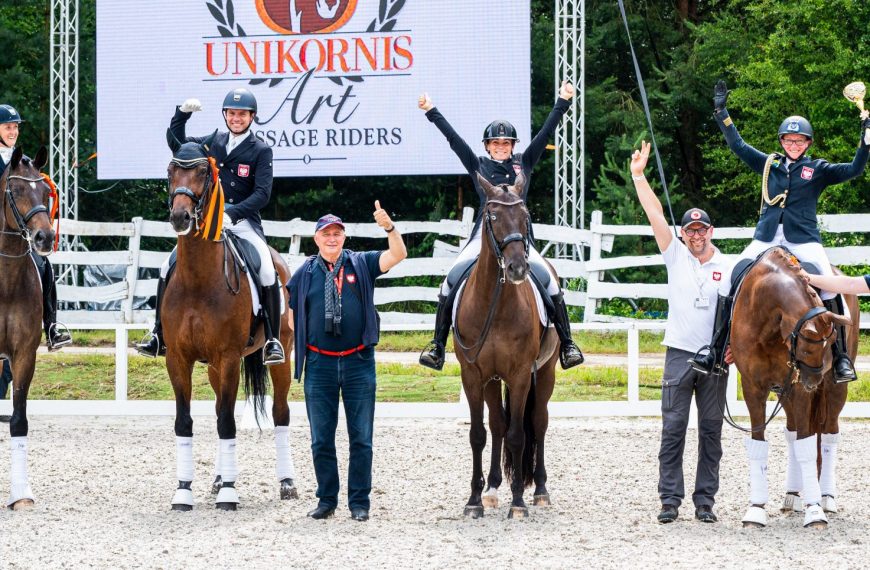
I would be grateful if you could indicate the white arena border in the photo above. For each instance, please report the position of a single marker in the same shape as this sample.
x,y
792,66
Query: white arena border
x,y
632,406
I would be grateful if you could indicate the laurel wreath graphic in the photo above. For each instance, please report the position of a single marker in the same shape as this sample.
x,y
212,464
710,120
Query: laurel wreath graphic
x,y
225,15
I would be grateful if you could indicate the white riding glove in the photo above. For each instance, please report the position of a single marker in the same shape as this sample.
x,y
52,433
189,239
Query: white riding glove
x,y
190,106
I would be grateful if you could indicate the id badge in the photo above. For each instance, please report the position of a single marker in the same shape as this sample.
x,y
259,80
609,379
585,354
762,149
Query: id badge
x,y
702,302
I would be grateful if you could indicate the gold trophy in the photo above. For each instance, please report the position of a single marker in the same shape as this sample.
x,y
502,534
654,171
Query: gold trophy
x,y
855,92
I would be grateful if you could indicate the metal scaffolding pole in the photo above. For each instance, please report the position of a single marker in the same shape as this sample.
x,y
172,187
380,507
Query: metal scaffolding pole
x,y
64,112
570,34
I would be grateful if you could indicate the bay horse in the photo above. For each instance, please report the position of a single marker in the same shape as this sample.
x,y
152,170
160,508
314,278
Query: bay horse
x,y
25,226
208,317
781,340
497,308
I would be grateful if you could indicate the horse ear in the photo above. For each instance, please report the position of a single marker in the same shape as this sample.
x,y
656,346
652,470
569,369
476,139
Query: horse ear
x,y
519,187
16,157
840,320
172,141
488,188
41,158
206,144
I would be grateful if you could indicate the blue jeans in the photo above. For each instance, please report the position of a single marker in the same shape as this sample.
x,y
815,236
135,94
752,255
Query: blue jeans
x,y
353,377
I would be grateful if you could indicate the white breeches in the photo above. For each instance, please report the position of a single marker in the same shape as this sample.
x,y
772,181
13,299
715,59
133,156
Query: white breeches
x,y
244,230
472,251
811,252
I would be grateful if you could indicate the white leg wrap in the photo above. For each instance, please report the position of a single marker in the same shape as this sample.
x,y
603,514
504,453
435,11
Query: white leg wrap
x,y
229,467
828,478
793,480
756,452
184,458
284,466
217,460
20,484
806,453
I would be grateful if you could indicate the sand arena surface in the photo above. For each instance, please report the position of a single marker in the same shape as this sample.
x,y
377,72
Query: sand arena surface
x,y
103,488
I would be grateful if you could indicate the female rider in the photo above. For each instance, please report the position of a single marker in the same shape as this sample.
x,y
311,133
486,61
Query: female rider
x,y
791,185
501,166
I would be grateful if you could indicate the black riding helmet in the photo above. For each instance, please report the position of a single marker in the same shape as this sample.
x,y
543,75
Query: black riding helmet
x,y
499,130
240,98
8,114
796,125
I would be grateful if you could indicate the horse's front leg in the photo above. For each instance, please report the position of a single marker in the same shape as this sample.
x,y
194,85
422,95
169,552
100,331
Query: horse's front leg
x,y
515,441
830,438
281,379
756,452
806,453
21,495
792,501
546,381
492,395
226,372
180,375
477,436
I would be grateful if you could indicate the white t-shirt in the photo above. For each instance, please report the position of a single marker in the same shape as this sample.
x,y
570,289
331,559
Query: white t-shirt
x,y
690,325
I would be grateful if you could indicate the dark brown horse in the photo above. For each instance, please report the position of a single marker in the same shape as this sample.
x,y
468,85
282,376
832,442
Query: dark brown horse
x,y
207,317
499,338
781,340
24,226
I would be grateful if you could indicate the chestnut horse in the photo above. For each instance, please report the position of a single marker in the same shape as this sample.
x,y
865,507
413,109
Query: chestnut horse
x,y
207,317
781,340
24,226
497,311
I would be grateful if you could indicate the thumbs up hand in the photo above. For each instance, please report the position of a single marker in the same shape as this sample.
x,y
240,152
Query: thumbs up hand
x,y
382,218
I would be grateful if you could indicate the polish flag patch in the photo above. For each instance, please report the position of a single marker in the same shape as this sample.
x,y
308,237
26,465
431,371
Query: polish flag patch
x,y
717,276
807,173
351,278
244,170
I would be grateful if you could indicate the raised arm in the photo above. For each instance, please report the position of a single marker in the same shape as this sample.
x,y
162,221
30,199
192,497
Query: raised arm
x,y
648,200
843,171
396,251
182,113
459,146
538,144
753,157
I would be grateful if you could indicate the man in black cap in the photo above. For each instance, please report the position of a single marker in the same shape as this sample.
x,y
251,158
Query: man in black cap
x,y
336,324
695,271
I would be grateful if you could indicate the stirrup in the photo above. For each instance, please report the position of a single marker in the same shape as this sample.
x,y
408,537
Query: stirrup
x,y
58,336
433,355
705,364
851,377
273,352
151,346
570,356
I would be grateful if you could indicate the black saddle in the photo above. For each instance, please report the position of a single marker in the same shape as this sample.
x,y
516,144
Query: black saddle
x,y
539,273
246,256
744,265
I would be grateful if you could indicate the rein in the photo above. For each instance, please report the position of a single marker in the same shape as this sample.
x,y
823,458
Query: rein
x,y
22,220
209,222
498,248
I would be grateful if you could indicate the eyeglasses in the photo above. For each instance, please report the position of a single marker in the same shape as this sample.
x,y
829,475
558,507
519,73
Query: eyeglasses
x,y
794,142
698,231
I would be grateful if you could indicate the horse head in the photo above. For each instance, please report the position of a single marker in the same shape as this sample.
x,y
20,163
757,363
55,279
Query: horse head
x,y
25,194
191,177
507,226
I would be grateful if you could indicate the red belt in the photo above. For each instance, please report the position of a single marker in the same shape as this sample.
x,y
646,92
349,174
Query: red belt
x,y
347,352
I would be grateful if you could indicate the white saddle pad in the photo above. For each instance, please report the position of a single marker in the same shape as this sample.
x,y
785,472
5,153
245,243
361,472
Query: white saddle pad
x,y
542,310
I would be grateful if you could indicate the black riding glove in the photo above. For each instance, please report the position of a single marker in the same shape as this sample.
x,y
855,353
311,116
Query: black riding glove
x,y
720,95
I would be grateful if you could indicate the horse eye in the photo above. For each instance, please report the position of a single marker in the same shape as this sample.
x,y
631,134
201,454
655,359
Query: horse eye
x,y
492,217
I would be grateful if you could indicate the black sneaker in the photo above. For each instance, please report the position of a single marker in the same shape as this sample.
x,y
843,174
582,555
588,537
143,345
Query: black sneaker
x,y
704,513
668,514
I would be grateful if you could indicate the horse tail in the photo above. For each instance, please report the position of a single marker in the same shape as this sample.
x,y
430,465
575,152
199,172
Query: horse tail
x,y
256,383
530,447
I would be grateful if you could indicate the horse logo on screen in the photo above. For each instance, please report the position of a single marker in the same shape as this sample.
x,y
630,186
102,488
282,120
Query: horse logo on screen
x,y
305,16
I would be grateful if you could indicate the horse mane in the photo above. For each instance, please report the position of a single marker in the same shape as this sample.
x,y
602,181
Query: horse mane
x,y
790,265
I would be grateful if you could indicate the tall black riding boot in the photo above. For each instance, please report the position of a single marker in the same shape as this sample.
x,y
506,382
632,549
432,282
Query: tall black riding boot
x,y
569,353
714,358
154,346
433,355
56,334
273,352
843,369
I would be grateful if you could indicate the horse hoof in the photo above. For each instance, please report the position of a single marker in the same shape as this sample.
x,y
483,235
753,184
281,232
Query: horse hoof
x,y
815,518
818,525
182,508
542,501
474,512
747,524
518,513
216,485
829,504
225,506
22,505
490,501
288,490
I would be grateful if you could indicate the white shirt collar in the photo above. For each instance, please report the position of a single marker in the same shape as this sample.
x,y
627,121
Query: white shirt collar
x,y
6,153
236,140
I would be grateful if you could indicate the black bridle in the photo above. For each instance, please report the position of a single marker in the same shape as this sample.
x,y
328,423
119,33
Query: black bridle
x,y
498,250
198,201
22,220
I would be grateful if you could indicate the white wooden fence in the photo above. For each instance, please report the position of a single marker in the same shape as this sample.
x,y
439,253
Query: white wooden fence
x,y
598,239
